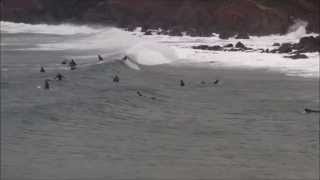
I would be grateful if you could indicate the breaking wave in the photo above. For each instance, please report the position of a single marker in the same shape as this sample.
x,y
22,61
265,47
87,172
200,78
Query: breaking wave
x,y
161,49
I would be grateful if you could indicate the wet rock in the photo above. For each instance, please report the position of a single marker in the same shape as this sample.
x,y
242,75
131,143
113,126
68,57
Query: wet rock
x,y
297,56
175,32
276,44
148,32
206,47
243,36
308,44
228,46
240,45
225,35
285,48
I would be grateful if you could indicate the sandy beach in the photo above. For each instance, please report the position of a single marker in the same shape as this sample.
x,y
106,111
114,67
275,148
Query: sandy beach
x,y
251,125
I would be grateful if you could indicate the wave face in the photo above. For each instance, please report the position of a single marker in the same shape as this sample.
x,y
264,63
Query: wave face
x,y
162,49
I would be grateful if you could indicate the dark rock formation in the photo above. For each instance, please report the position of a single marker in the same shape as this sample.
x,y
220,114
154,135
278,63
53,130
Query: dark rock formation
x,y
225,35
285,48
228,46
240,45
297,56
206,47
200,18
276,44
308,44
243,36
148,32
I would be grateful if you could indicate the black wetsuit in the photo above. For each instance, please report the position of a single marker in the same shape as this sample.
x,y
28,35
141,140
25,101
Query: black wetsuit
x,y
116,79
182,83
59,77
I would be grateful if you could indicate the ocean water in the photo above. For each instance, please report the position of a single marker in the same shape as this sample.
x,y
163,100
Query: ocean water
x,y
249,126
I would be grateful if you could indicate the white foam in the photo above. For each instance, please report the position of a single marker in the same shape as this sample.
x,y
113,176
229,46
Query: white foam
x,y
274,62
151,53
63,29
160,49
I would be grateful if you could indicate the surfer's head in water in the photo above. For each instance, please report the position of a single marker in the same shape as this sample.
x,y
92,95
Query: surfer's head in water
x,y
182,83
59,77
46,84
139,93
125,58
307,110
72,65
100,58
42,69
65,61
116,79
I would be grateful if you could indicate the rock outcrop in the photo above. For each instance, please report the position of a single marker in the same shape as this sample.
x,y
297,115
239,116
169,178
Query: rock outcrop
x,y
196,18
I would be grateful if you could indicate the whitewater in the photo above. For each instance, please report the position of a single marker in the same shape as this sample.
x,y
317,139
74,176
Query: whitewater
x,y
160,49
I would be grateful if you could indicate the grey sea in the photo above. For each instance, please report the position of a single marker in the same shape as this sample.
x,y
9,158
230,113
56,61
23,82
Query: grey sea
x,y
249,126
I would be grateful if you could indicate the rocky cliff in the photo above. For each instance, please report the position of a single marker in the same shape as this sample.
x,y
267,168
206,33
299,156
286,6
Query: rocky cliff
x,y
199,17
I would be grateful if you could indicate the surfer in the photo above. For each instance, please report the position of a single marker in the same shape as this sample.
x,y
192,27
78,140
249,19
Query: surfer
x,y
46,84
59,77
42,69
116,79
125,58
307,110
139,93
100,58
182,83
72,64
216,82
65,61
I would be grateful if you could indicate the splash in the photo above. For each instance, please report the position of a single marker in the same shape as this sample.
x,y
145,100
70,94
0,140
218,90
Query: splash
x,y
151,53
298,29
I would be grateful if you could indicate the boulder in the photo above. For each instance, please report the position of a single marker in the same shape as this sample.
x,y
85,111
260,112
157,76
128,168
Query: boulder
x,y
215,48
202,47
148,32
297,56
276,44
228,46
240,45
308,44
285,48
206,47
225,35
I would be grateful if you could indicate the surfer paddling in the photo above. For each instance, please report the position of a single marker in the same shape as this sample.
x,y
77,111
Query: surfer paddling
x,y
59,77
72,65
46,84
42,69
100,58
116,79
307,110
182,84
